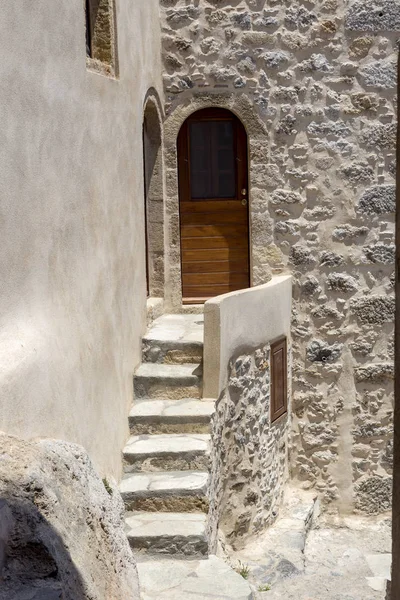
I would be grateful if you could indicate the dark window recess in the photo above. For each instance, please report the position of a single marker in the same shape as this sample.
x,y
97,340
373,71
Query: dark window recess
x,y
278,379
88,30
212,159
100,32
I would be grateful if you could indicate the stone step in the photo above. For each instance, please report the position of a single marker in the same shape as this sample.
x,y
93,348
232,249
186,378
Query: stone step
x,y
172,491
168,452
174,339
171,416
171,382
213,579
174,534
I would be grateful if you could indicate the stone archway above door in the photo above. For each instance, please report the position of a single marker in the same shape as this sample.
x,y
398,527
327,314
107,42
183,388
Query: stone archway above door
x,y
260,232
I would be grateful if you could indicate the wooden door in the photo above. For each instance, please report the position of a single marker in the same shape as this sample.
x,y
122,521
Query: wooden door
x,y
213,201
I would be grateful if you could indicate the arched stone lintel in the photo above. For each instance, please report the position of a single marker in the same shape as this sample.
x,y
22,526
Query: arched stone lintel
x,y
241,106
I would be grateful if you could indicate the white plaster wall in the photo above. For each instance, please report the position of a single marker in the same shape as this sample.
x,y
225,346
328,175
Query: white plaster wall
x,y
72,266
241,320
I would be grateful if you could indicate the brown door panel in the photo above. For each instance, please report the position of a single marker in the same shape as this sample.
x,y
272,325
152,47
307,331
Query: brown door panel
x,y
210,218
215,254
217,266
211,278
199,206
204,291
213,230
229,243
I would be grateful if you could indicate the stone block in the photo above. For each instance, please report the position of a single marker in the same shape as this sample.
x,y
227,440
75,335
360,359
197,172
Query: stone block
x,y
373,15
374,494
319,351
380,253
381,74
378,200
374,310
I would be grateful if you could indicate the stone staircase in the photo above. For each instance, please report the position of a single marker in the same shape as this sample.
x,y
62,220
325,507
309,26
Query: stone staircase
x,y
166,459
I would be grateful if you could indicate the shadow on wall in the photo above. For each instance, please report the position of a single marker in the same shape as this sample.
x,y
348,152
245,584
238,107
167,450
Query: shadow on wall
x,y
61,527
35,564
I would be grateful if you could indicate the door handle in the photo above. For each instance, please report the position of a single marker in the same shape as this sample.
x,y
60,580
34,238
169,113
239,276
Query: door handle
x,y
244,201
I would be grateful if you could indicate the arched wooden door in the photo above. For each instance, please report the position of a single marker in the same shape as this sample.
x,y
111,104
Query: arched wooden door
x,y
213,201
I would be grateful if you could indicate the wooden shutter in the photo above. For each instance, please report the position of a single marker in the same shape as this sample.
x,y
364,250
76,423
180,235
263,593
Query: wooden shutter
x,y
278,379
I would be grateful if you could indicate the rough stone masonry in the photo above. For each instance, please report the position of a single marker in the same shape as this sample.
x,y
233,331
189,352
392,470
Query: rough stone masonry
x,y
320,76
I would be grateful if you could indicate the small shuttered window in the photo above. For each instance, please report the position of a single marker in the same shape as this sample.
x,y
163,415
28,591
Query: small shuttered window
x,y
278,378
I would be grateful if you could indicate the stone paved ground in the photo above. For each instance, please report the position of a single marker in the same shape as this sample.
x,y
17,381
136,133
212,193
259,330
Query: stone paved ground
x,y
347,560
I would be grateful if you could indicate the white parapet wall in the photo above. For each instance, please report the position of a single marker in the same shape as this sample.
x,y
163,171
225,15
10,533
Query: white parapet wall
x,y
243,319
250,449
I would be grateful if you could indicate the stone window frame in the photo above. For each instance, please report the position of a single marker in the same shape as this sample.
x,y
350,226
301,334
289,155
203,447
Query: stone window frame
x,y
102,57
257,139
153,193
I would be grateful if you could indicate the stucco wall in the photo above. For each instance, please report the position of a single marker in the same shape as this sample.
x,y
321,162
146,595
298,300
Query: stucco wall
x,y
249,452
72,266
321,78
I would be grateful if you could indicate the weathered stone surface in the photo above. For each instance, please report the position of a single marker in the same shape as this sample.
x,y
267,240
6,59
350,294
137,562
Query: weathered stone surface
x,y
190,580
378,200
357,172
242,20
316,62
378,135
380,253
300,255
360,47
171,491
374,310
287,125
310,285
167,452
326,312
182,16
348,232
332,128
170,534
317,100
362,348
372,15
340,282
319,351
299,16
357,546
374,495
331,259
380,74
376,372
286,197
275,60
171,416
65,529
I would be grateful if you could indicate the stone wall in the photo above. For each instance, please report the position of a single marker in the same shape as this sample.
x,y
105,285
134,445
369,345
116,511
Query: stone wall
x,y
249,462
320,76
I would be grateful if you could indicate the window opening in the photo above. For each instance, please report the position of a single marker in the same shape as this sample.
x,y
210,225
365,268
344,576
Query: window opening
x,y
101,48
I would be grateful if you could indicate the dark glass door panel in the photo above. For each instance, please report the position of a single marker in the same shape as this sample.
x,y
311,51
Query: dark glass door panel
x,y
212,160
